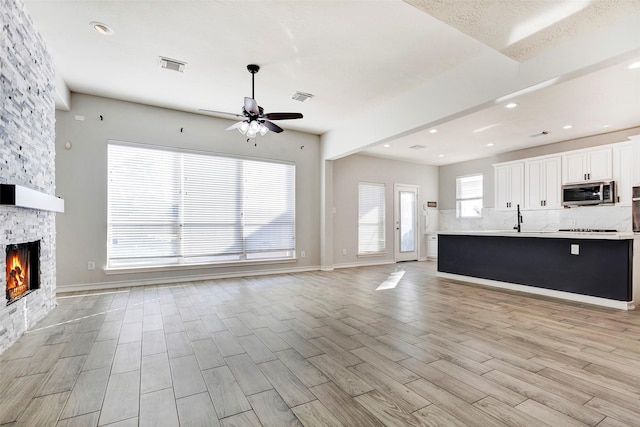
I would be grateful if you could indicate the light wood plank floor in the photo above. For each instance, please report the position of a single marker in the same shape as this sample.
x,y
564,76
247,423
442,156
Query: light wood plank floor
x,y
323,349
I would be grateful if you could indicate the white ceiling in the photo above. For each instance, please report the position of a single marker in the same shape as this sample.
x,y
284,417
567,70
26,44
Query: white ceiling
x,y
355,56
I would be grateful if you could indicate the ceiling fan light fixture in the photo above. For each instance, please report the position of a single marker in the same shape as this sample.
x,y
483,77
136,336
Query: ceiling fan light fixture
x,y
255,120
243,128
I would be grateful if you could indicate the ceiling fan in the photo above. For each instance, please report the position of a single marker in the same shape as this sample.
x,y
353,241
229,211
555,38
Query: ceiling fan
x,y
255,121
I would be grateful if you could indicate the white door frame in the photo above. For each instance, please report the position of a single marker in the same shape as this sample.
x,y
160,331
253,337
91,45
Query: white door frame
x,y
405,256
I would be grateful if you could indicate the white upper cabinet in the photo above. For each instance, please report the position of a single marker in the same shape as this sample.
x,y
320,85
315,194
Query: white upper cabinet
x,y
542,183
536,183
623,172
509,185
635,143
587,165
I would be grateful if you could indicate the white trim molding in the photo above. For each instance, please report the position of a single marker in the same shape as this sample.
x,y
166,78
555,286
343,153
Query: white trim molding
x,y
603,302
167,280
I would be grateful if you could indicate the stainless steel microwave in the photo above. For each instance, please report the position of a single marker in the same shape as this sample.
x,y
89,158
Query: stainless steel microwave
x,y
589,193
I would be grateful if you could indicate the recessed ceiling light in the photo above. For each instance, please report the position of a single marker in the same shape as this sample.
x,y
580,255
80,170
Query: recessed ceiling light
x,y
433,131
567,127
606,126
491,144
441,155
101,28
511,105
387,145
634,66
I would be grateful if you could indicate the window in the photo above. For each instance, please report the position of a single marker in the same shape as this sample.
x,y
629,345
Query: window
x,y
168,207
469,196
371,230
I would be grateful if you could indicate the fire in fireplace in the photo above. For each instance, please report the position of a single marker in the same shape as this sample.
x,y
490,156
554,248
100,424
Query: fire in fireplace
x,y
23,270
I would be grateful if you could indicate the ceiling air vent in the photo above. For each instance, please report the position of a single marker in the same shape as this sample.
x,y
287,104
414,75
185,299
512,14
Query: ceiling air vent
x,y
302,96
417,147
172,64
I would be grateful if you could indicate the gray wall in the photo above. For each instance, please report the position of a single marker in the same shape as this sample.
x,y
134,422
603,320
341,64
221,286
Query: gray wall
x,y
448,173
82,180
347,173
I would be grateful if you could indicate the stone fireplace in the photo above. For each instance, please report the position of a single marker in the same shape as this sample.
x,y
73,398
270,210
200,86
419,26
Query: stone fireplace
x,y
23,270
27,159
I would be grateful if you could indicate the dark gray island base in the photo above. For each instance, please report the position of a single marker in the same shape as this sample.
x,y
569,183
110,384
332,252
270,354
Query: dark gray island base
x,y
602,269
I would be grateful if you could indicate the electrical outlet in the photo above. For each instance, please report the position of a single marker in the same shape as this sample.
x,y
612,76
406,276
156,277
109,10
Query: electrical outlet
x,y
302,254
344,252
575,249
91,265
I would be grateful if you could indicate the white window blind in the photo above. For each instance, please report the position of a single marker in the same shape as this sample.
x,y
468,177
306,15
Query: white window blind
x,y
169,207
371,218
469,196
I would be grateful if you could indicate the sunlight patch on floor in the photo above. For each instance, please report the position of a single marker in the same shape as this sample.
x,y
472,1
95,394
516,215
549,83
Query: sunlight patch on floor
x,y
392,281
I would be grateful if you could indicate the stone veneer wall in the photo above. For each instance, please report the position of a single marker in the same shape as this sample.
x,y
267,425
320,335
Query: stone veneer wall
x,y
27,157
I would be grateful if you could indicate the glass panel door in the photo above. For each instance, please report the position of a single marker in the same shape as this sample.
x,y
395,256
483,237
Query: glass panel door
x,y
406,222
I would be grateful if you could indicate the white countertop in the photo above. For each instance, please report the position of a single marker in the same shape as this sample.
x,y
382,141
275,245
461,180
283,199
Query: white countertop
x,y
545,234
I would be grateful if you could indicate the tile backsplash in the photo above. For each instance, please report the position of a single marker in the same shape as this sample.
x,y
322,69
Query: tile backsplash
x,y
594,217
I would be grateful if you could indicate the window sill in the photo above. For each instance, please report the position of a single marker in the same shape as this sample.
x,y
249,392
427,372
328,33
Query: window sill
x,y
372,255
178,267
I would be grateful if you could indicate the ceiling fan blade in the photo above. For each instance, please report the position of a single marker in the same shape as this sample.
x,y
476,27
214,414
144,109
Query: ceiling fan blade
x,y
222,113
272,126
235,125
251,106
282,116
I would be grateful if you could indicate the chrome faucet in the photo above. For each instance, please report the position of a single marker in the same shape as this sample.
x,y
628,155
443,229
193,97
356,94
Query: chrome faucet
x,y
519,215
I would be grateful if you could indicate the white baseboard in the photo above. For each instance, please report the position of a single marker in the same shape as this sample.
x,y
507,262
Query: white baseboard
x,y
168,280
621,305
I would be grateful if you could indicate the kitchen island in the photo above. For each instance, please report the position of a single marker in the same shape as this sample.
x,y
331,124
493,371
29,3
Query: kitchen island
x,y
595,268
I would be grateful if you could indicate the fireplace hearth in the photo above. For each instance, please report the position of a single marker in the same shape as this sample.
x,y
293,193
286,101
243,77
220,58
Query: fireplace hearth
x,y
23,270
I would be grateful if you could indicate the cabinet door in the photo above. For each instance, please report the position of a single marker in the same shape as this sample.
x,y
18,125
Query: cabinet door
x,y
574,168
599,164
509,186
635,143
503,191
432,246
517,185
552,187
623,168
534,184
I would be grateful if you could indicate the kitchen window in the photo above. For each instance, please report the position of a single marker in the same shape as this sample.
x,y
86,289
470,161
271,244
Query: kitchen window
x,y
371,219
171,207
469,196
